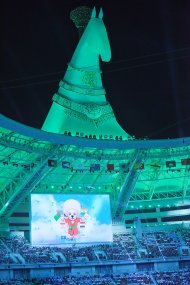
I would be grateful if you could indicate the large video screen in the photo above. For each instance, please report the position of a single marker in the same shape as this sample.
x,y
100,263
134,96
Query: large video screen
x,y
62,218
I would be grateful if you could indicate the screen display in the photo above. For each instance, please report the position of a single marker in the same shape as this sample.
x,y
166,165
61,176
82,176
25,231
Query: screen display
x,y
64,218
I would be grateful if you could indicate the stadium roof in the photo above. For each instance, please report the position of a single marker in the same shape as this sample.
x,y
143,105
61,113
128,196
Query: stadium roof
x,y
135,173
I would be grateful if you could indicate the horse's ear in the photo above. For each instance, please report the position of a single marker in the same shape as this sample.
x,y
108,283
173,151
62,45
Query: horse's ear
x,y
93,15
100,16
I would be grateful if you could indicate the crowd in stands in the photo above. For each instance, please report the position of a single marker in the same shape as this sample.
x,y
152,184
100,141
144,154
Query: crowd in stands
x,y
172,278
143,278
160,244
134,278
125,246
4,254
185,234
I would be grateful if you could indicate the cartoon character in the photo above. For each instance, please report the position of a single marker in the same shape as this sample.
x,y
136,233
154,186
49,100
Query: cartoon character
x,y
72,218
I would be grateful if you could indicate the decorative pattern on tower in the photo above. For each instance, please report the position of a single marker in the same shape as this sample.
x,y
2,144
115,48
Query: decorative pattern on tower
x,y
81,16
80,106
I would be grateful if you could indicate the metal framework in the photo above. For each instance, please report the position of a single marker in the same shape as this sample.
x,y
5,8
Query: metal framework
x,y
24,155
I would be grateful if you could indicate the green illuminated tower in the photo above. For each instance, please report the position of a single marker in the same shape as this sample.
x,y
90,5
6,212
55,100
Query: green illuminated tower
x,y
79,106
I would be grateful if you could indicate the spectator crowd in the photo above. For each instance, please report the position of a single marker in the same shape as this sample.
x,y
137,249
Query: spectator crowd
x,y
145,278
125,246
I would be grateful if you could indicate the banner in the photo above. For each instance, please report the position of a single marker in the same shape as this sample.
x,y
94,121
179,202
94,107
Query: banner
x,y
171,163
110,167
139,166
66,164
52,163
95,167
124,167
185,161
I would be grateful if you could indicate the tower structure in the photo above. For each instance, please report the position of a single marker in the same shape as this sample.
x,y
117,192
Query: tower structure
x,y
80,106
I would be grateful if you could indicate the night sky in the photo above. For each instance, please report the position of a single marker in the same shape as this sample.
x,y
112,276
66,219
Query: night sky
x,y
147,80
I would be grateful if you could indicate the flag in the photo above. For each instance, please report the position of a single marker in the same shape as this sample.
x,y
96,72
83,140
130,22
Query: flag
x,y
124,167
57,216
52,163
155,164
78,166
95,167
66,164
171,163
82,224
139,166
110,167
185,161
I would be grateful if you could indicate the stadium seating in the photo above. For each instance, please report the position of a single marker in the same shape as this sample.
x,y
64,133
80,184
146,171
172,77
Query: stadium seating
x,y
145,278
160,244
125,246
172,278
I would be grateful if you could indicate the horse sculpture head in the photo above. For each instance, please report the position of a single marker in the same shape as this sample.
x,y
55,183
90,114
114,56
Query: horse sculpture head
x,y
99,41
94,42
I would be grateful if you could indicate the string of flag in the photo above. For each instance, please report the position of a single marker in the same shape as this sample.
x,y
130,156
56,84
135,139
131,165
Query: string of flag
x,y
110,167
92,168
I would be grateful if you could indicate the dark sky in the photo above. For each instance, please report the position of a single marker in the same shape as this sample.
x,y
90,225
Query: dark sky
x,y
147,80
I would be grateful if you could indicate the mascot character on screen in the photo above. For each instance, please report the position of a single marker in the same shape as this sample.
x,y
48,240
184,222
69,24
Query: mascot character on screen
x,y
72,219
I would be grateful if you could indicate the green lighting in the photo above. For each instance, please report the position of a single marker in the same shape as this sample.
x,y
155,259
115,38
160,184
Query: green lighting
x,y
80,106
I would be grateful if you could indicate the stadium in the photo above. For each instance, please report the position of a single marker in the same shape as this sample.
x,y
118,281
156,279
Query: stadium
x,y
81,200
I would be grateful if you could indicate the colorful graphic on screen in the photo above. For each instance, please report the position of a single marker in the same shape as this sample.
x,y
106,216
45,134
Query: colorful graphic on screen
x,y
63,218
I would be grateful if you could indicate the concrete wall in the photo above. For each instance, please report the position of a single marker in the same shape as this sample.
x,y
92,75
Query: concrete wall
x,y
166,266
41,272
8,272
124,268
86,270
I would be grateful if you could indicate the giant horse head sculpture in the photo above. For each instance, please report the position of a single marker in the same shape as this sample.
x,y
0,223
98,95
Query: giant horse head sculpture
x,y
93,43
80,104
83,75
